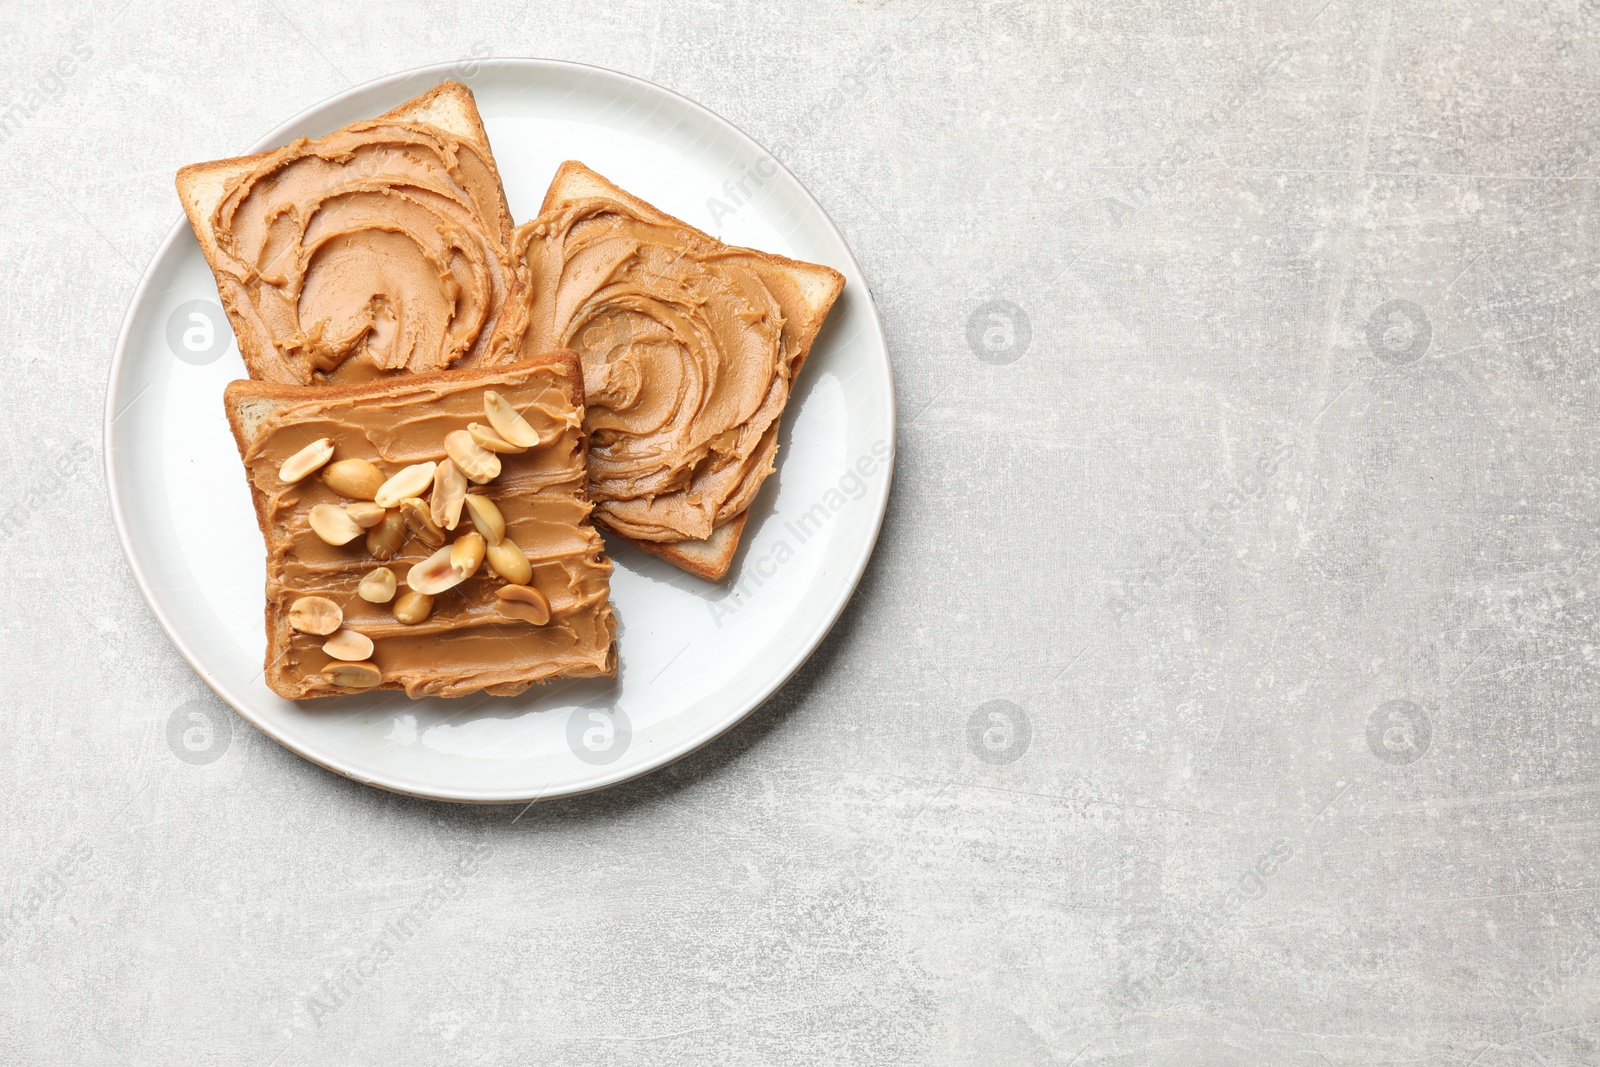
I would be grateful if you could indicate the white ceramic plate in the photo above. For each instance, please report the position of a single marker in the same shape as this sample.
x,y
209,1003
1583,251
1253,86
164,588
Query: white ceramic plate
x,y
695,657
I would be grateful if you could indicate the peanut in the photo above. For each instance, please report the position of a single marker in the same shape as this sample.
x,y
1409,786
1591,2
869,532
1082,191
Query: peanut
x,y
523,602
435,574
486,517
506,422
466,555
420,522
386,538
475,461
315,615
412,607
306,460
366,513
378,586
353,675
486,437
509,562
357,479
449,489
333,524
348,645
410,481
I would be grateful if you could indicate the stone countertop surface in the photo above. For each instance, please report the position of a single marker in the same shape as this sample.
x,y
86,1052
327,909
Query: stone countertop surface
x,y
1223,689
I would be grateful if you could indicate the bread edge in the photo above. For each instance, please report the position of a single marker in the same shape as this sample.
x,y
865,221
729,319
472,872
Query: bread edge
x,y
710,564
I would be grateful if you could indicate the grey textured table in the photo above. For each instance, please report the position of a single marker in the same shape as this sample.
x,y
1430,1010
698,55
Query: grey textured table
x,y
1223,689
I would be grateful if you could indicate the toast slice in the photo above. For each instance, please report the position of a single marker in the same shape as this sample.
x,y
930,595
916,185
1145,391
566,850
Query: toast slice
x,y
809,291
467,643
380,248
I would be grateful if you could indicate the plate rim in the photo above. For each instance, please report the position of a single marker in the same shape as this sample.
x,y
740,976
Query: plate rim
x,y
655,762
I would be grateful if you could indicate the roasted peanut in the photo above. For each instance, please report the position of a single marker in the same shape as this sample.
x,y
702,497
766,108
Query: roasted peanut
x,y
486,437
409,481
378,586
509,562
386,538
475,461
449,489
466,555
348,645
353,675
435,574
357,479
333,524
366,513
306,460
506,422
485,514
412,607
420,522
523,602
315,615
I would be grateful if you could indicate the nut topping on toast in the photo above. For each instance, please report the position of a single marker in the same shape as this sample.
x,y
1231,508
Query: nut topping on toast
x,y
436,574
358,479
486,518
419,520
306,460
523,602
510,425
348,645
431,615
387,538
315,615
353,675
366,513
492,441
475,461
333,524
509,562
408,482
449,490
413,607
378,586
466,555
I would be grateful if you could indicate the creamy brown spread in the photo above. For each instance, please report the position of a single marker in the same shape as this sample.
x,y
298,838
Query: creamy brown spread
x,y
465,645
688,349
378,248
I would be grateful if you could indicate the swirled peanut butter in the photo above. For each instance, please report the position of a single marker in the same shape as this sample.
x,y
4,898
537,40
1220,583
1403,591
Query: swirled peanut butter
x,y
381,247
467,643
688,348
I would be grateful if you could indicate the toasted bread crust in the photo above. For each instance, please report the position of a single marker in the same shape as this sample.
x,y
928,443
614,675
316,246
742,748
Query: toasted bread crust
x,y
708,559
248,388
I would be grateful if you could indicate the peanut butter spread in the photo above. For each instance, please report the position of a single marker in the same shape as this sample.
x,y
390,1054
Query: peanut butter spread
x,y
378,248
467,643
688,350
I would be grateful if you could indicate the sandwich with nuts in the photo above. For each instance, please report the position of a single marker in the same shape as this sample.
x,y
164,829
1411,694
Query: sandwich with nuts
x,y
690,349
429,532
381,248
